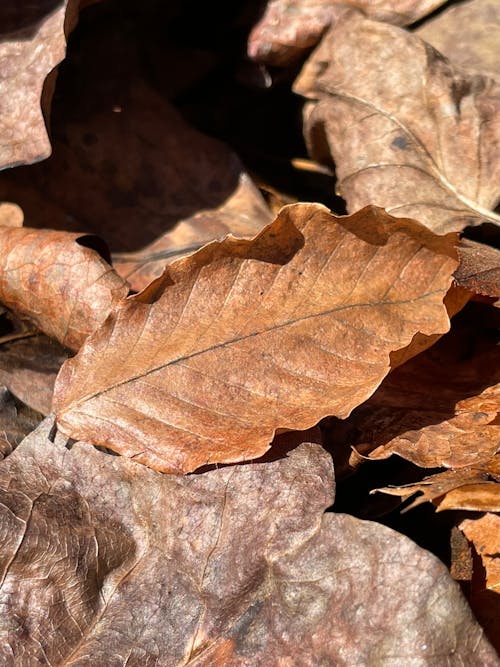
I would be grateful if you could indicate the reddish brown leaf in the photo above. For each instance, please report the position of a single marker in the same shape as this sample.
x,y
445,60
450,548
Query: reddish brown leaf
x,y
469,34
233,343
484,533
105,561
32,43
441,408
407,130
467,488
56,280
290,27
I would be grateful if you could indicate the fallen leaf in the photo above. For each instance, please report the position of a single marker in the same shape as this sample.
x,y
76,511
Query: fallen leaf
x,y
29,366
32,43
235,341
407,130
16,422
484,533
475,488
57,281
479,268
469,34
172,174
289,28
441,408
104,560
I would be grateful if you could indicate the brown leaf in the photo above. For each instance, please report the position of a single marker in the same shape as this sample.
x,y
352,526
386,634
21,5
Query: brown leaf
x,y
469,34
479,269
467,488
442,408
104,560
58,281
242,214
484,533
29,366
290,27
16,421
32,43
233,343
172,174
406,129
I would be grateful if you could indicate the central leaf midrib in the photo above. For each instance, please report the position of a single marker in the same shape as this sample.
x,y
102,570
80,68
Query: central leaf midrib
x,y
242,338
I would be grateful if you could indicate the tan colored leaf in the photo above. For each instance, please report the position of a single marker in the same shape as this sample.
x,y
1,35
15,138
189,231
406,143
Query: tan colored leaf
x,y
32,43
469,34
442,408
290,27
235,342
472,488
484,533
479,268
172,174
58,281
406,129
106,562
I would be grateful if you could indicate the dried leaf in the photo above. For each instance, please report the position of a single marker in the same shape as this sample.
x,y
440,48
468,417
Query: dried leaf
x,y
442,408
58,281
484,533
107,561
479,268
469,34
290,27
233,343
467,488
16,421
406,129
172,174
32,43
242,214
29,366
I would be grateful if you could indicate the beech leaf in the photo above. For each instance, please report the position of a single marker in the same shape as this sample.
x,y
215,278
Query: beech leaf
x,y
235,341
57,281
32,43
407,130
104,561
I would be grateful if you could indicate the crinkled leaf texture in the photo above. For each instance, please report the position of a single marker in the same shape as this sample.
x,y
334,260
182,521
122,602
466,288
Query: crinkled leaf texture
x,y
247,337
58,281
105,562
407,130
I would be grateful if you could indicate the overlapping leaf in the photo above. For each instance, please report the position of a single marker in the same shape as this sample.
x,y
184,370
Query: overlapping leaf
x,y
105,560
407,130
32,43
58,281
290,27
246,337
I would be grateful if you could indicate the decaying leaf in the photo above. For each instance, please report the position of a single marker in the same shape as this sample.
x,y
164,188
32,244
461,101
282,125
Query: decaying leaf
x,y
290,27
105,561
32,42
479,268
469,34
442,408
484,533
475,487
235,341
57,281
406,129
172,174
16,422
